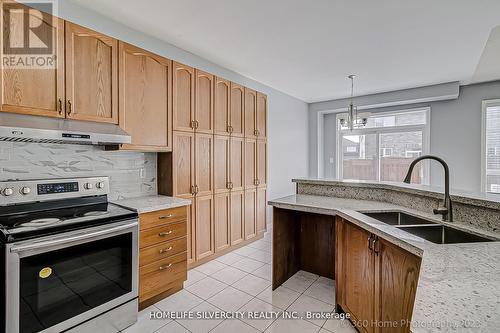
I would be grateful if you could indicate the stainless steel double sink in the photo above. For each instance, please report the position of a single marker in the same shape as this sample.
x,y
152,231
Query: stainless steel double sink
x,y
427,229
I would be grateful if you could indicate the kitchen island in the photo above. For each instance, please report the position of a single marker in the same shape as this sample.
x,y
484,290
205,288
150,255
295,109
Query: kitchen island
x,y
457,285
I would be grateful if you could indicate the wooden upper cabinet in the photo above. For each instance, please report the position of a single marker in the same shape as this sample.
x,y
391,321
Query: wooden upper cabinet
x,y
237,163
183,164
250,159
237,110
204,164
222,204
222,110
221,164
237,214
261,208
261,116
183,97
250,216
145,98
261,163
250,113
204,222
204,102
358,269
33,90
91,75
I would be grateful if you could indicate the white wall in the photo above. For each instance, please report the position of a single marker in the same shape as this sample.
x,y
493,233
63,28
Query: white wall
x,y
455,135
287,118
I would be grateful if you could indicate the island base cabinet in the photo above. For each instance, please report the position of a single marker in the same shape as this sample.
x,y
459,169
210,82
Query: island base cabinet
x,y
375,280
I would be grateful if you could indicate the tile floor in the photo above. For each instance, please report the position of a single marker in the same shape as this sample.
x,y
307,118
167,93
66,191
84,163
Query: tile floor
x,y
241,281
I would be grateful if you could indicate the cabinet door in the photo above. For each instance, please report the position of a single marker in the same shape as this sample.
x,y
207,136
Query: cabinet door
x,y
183,164
222,106
32,90
222,221
261,210
221,164
250,163
204,159
261,163
145,92
183,97
204,103
250,113
358,269
237,163
396,272
91,75
237,213
250,216
204,226
237,111
261,116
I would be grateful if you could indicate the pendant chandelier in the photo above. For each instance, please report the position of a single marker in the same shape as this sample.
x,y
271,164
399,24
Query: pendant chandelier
x,y
351,119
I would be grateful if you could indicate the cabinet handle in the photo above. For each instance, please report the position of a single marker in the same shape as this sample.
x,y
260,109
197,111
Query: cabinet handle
x,y
255,132
166,250
230,129
70,107
165,233
231,185
165,267
192,125
196,189
162,217
60,106
193,190
370,242
376,246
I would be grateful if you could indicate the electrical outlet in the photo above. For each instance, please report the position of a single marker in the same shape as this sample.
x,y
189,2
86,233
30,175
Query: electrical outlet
x,y
142,174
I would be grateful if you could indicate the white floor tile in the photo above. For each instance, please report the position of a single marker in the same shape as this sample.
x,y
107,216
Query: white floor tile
x,y
248,265
322,291
230,299
339,326
193,277
265,272
252,285
201,325
178,302
244,251
146,325
229,258
261,256
206,288
173,327
305,303
229,275
299,283
326,280
210,267
234,325
257,305
292,326
281,297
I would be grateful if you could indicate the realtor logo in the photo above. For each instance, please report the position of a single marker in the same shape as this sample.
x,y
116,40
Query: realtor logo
x,y
29,37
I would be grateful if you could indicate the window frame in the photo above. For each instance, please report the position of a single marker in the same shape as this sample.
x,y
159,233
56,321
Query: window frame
x,y
425,128
484,105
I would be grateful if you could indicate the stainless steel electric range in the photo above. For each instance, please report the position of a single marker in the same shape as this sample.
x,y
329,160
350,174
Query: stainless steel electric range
x,y
69,258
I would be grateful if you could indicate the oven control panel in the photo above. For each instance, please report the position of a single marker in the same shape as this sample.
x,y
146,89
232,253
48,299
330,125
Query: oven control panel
x,y
14,192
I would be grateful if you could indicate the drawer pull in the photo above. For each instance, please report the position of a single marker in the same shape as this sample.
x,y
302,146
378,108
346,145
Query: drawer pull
x,y
162,217
165,233
166,250
165,267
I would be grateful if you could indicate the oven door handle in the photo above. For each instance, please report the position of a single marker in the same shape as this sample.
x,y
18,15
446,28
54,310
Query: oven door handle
x,y
70,240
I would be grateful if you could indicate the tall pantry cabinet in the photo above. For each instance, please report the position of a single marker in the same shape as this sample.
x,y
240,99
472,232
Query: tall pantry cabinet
x,y
219,160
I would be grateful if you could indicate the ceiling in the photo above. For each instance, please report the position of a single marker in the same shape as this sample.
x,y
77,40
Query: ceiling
x,y
306,48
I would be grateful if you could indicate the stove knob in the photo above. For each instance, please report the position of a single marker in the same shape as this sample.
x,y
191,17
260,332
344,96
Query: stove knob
x,y
100,185
8,191
88,186
25,190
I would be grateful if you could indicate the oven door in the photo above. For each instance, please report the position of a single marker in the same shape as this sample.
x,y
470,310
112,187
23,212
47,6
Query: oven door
x,y
57,282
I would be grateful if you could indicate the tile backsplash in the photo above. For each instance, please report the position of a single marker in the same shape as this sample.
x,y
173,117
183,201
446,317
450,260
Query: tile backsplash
x,y
131,174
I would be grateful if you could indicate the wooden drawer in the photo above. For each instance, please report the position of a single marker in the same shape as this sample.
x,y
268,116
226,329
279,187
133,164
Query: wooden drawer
x,y
160,217
162,233
156,277
162,250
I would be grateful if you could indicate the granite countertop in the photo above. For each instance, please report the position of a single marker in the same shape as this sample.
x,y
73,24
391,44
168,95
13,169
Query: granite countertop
x,y
152,203
459,284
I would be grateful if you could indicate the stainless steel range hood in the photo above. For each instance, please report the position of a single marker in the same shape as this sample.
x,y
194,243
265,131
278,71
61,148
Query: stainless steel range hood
x,y
24,128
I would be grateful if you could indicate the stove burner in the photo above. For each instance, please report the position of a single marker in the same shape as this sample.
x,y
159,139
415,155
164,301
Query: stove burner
x,y
40,222
95,213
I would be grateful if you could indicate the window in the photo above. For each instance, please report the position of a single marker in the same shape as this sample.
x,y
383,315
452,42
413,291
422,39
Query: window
x,y
491,146
385,147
